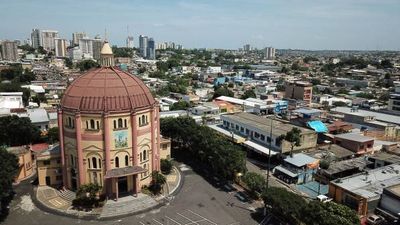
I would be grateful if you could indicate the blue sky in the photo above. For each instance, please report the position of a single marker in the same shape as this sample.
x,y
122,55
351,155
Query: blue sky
x,y
303,24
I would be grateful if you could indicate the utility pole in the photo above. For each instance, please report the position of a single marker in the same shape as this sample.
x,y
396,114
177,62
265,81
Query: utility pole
x,y
269,150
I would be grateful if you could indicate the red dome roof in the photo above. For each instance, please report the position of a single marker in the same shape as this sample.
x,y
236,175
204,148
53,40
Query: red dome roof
x,y
107,89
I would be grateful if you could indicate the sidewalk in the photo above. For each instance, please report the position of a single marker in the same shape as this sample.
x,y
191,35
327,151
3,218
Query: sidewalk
x,y
52,201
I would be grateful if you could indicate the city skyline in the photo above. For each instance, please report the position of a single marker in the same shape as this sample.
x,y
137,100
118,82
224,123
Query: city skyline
x,y
317,25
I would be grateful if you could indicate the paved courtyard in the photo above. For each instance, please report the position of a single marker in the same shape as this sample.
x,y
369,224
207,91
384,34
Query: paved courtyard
x,y
197,203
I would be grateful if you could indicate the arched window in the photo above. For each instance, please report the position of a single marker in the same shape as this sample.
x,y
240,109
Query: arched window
x,y
87,124
97,125
94,163
143,120
92,126
144,155
126,160
141,157
117,162
125,124
115,124
140,121
100,163
119,123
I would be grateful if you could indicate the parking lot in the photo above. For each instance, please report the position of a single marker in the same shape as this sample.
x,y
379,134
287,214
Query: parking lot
x,y
185,217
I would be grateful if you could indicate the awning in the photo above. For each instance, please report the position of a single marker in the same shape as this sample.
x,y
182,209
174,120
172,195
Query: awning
x,y
121,172
318,126
285,171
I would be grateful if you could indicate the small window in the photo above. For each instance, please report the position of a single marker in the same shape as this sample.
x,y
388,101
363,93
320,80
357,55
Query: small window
x,y
115,124
262,137
46,162
141,157
97,125
117,162
92,126
144,155
87,124
100,163
126,160
119,123
125,123
94,163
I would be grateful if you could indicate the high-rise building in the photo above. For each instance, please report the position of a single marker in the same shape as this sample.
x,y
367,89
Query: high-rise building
x,y
143,45
9,50
60,47
247,47
269,53
86,46
97,45
36,38
394,99
48,37
151,49
129,42
76,37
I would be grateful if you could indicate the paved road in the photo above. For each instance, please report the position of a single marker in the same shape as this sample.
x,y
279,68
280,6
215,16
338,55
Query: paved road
x,y
198,203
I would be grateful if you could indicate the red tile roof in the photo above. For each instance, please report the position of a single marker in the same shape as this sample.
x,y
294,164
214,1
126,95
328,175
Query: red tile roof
x,y
107,89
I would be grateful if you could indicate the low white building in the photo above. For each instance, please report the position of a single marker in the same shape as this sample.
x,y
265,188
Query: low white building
x,y
214,69
10,100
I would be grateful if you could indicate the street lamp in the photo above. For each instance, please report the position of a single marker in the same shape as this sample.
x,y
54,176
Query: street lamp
x,y
269,149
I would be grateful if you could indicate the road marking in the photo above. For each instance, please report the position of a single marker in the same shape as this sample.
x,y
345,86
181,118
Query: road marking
x,y
191,221
202,217
157,222
173,220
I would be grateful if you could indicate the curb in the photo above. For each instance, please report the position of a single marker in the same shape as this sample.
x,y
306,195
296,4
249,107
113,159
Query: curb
x,y
176,190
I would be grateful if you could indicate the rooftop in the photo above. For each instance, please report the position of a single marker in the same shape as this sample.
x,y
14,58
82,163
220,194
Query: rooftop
x,y
379,116
354,137
341,166
370,184
331,150
264,124
383,156
300,159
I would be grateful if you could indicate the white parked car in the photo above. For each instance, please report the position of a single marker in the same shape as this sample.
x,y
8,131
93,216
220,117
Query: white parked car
x,y
323,198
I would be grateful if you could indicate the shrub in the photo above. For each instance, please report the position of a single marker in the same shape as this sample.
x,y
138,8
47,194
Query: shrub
x,y
166,166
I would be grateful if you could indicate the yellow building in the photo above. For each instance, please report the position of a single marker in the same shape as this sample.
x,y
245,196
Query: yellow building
x,y
25,162
48,165
109,129
165,152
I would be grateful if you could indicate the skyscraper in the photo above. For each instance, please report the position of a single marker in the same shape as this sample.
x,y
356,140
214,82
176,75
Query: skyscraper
x,y
129,42
247,47
86,45
97,45
9,50
48,37
269,53
60,47
36,37
76,37
143,45
151,49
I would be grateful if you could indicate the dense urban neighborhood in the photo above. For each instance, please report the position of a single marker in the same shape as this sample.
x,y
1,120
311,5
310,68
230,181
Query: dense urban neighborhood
x,y
94,132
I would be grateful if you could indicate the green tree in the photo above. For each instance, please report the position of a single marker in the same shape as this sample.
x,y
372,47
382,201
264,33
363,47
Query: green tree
x,y
284,204
53,135
68,63
294,138
329,213
86,196
180,105
338,104
157,182
87,64
249,94
255,182
166,166
9,169
222,91
17,131
324,164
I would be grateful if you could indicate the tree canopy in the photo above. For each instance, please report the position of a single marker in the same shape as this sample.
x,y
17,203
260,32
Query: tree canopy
x,y
293,136
249,94
17,131
9,169
213,151
295,210
87,64
222,91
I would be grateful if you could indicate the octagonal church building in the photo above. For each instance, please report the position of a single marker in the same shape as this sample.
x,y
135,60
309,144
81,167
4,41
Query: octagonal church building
x,y
109,130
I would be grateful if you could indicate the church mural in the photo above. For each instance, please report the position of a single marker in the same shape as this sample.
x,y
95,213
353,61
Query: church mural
x,y
120,138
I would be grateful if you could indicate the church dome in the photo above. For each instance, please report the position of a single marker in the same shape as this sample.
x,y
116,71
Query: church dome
x,y
107,90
